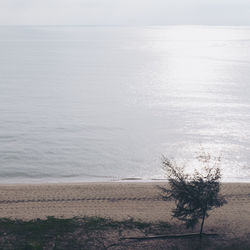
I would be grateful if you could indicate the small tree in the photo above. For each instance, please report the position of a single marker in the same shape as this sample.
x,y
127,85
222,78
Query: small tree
x,y
194,194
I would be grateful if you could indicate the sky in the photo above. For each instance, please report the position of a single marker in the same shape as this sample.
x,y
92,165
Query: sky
x,y
124,12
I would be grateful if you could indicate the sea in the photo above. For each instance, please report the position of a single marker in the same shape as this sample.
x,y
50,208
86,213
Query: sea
x,y
106,103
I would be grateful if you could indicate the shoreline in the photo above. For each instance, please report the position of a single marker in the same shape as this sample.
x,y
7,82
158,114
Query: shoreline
x,y
125,180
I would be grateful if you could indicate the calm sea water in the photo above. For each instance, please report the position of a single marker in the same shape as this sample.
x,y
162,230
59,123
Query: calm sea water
x,y
104,103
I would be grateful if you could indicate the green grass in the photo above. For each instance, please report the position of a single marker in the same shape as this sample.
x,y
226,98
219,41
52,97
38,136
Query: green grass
x,y
35,234
100,233
53,233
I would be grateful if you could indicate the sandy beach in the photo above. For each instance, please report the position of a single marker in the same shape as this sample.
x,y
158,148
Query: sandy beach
x,y
118,201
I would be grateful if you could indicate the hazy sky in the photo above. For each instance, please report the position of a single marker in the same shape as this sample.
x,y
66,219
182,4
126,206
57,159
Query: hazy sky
x,y
125,12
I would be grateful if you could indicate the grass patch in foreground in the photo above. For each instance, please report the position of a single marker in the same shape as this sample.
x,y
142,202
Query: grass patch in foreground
x,y
54,233
100,233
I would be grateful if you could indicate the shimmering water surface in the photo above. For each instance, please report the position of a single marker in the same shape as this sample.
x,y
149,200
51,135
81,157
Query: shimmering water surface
x,y
104,103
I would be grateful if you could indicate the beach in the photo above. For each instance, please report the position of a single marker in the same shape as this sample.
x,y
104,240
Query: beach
x,y
119,201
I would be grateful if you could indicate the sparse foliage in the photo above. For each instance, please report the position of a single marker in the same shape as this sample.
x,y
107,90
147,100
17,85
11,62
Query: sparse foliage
x,y
194,194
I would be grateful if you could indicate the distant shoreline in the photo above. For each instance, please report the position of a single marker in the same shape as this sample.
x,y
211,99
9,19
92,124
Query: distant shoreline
x,y
124,180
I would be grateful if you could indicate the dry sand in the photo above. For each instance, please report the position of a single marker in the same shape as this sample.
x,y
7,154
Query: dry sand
x,y
118,201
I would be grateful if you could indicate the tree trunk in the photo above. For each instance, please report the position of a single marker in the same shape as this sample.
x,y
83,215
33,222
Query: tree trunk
x,y
202,223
